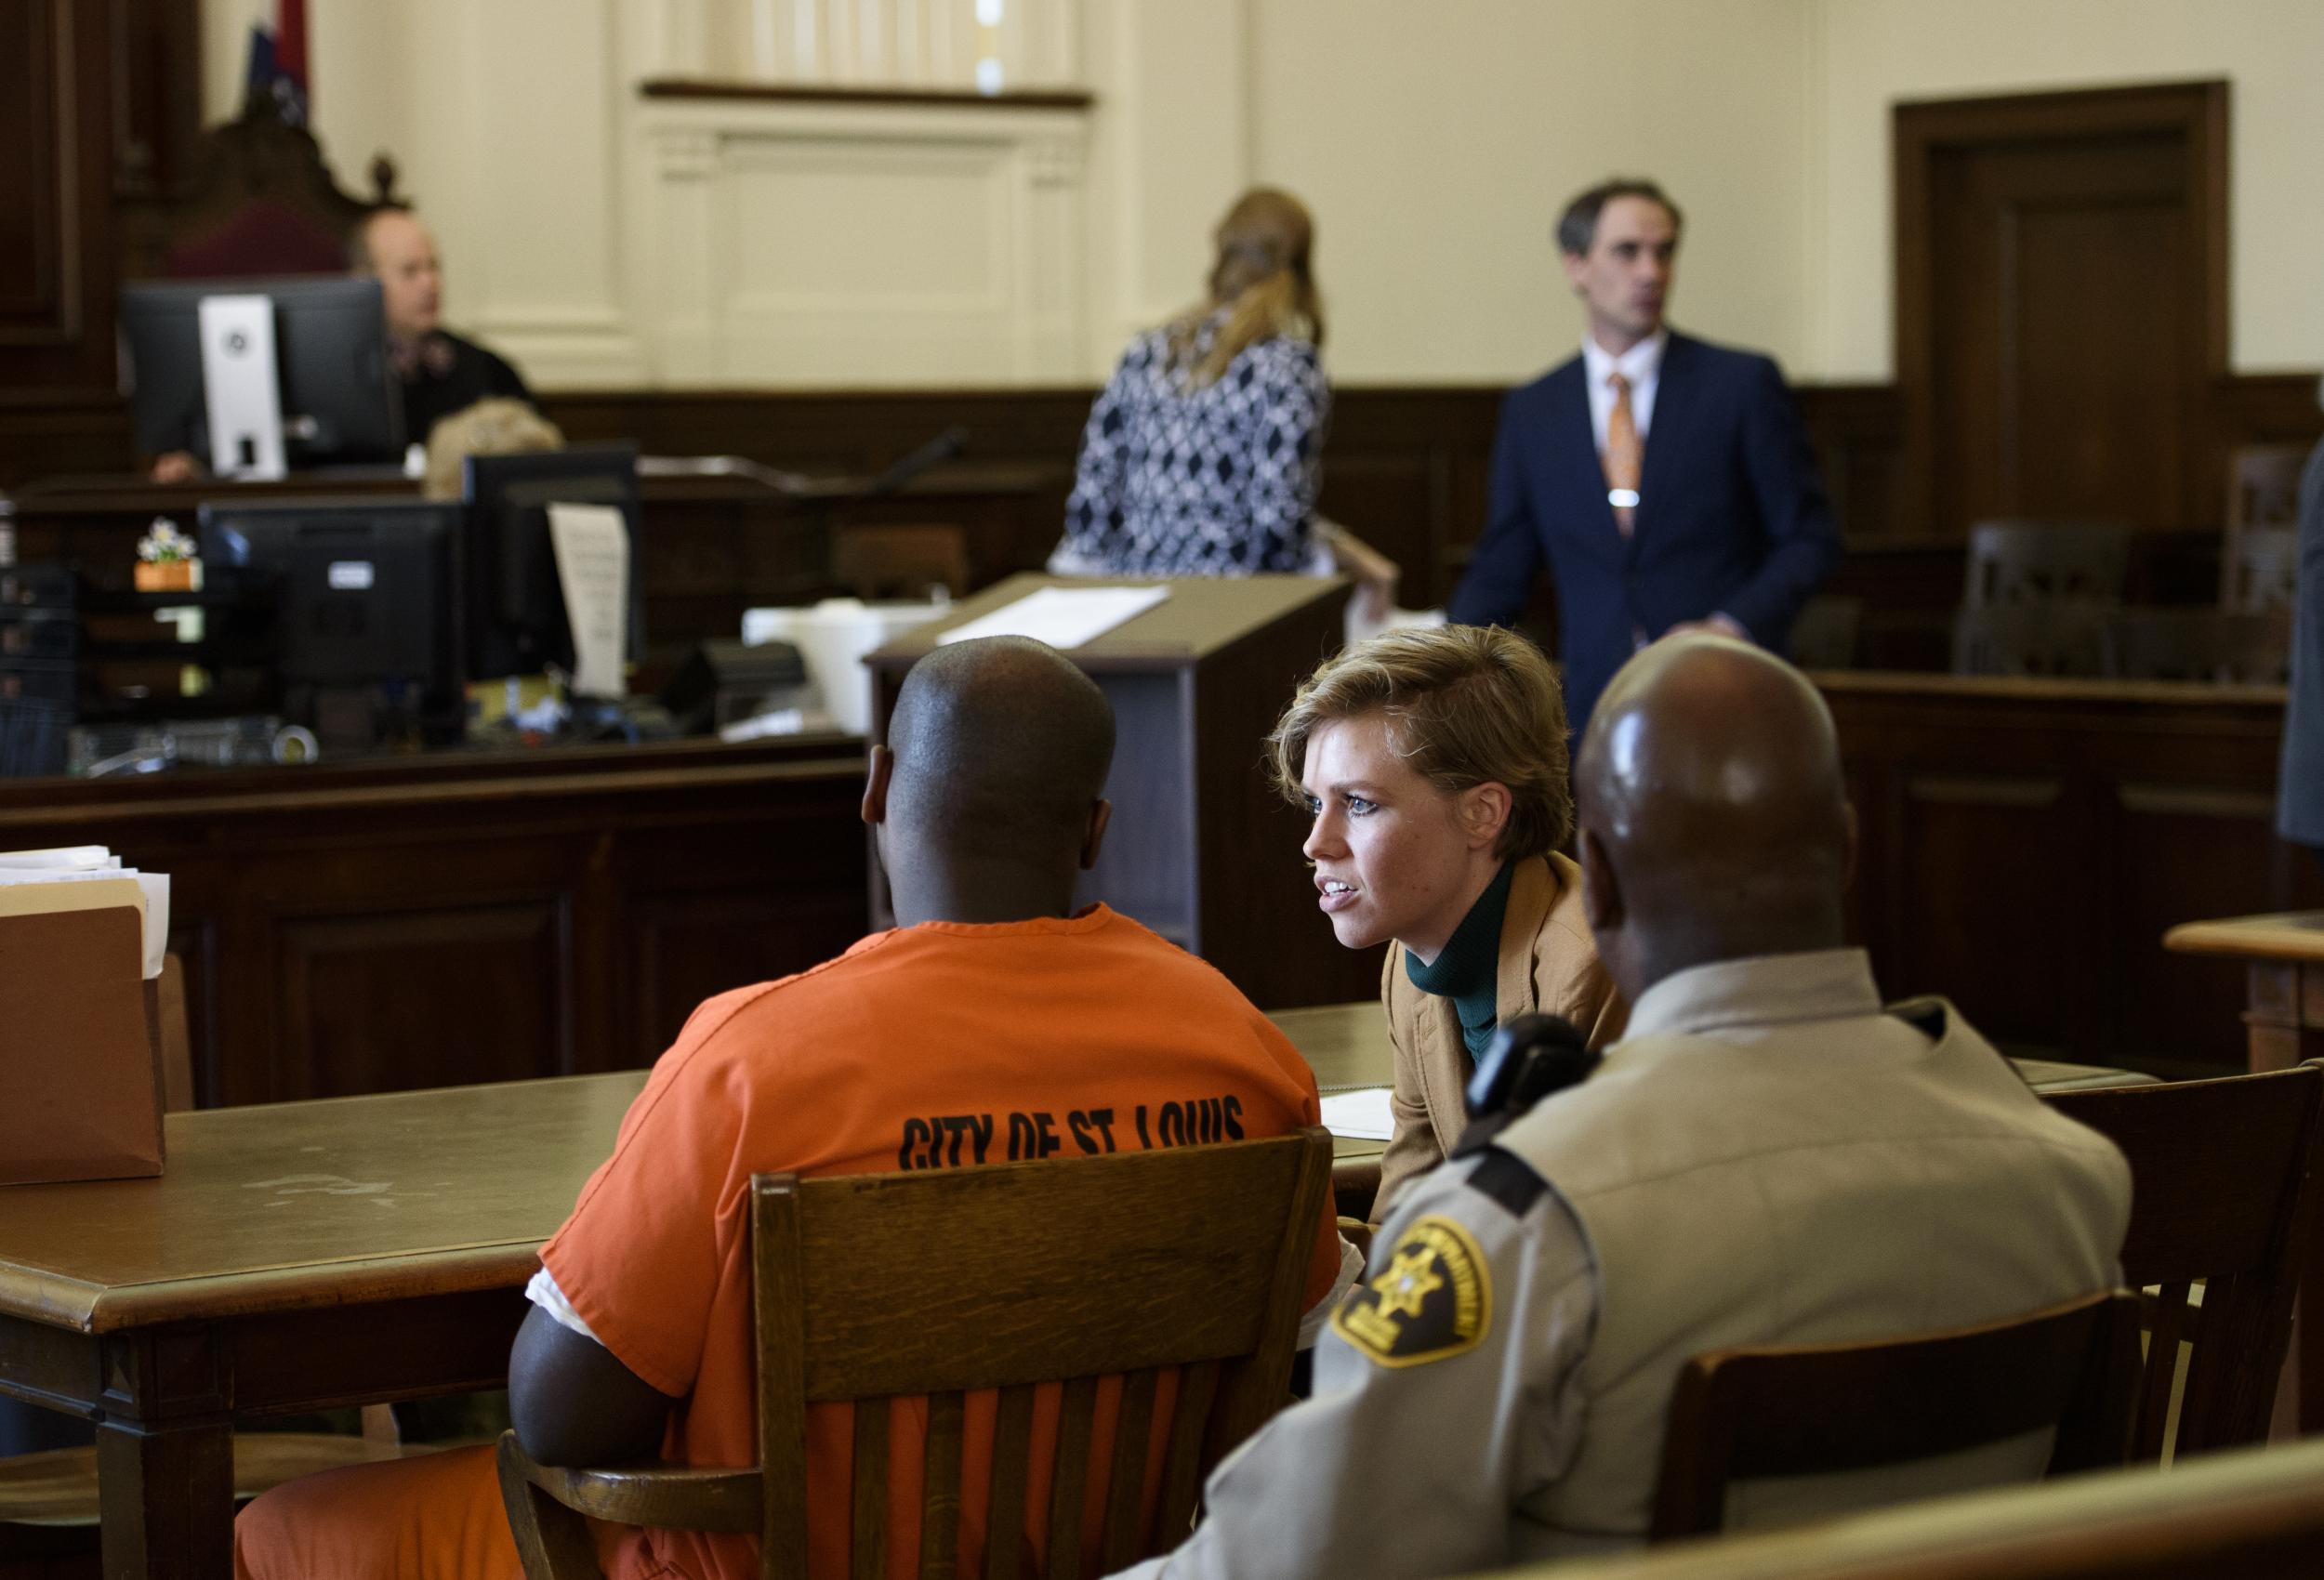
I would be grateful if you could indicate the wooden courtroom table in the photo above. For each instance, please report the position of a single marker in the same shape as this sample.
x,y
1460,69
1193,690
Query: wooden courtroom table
x,y
297,1256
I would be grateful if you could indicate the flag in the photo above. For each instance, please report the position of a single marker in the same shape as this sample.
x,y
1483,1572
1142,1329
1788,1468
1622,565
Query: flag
x,y
278,63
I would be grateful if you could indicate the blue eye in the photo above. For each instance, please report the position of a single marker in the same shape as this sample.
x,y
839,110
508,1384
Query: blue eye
x,y
1359,806
1314,808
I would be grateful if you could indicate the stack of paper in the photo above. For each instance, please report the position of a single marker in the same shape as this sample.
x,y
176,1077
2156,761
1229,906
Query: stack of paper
x,y
86,877
1362,1114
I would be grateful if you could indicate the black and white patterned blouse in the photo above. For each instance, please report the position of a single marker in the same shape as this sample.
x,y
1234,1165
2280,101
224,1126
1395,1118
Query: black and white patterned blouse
x,y
1215,481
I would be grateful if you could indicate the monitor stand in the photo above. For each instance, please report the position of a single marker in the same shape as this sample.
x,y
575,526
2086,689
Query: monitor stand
x,y
239,387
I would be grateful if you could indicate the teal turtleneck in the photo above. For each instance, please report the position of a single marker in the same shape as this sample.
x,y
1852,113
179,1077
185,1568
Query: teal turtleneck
x,y
1468,971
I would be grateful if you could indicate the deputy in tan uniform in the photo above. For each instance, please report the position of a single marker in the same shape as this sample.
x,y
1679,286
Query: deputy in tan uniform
x,y
1433,763
1767,1157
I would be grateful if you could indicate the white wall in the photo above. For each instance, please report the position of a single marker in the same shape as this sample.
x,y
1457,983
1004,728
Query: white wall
x,y
1437,144
1876,52
1434,144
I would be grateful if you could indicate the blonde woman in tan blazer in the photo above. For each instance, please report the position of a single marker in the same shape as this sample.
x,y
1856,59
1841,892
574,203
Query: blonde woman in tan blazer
x,y
1435,766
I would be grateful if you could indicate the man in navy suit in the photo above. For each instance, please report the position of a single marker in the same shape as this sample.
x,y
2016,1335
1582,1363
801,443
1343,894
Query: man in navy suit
x,y
1667,482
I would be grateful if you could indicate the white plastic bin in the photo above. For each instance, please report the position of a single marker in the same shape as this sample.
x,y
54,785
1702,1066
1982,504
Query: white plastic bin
x,y
832,637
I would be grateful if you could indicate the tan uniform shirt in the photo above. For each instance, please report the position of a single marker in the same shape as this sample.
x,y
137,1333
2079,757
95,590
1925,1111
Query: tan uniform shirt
x,y
1548,965
1769,1158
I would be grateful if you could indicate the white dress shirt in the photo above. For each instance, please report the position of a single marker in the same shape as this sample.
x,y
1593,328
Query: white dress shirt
x,y
1642,364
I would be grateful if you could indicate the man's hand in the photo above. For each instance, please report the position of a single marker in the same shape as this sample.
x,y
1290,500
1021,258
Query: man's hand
x,y
175,466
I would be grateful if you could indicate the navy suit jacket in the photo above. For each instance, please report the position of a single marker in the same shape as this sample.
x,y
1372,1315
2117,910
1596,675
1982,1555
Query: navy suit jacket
x,y
1731,519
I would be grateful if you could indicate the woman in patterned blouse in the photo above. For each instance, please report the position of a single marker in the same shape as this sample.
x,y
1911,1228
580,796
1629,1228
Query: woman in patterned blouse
x,y
1202,456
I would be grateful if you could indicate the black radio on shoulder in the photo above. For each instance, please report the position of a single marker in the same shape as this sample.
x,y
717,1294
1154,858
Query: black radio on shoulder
x,y
1529,1057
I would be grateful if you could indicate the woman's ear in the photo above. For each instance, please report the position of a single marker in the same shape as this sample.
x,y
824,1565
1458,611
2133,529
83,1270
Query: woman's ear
x,y
1485,812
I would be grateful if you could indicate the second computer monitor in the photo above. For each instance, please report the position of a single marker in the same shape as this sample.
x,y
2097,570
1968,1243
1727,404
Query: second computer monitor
x,y
515,607
367,633
340,400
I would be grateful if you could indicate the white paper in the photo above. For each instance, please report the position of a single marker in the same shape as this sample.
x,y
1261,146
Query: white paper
x,y
1063,617
62,858
1361,1115
592,546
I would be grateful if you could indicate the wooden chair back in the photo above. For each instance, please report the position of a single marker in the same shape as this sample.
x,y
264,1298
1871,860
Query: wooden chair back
x,y
2260,569
2046,562
900,562
2225,1181
2207,645
939,1283
2033,639
1807,1410
1824,636
2249,1514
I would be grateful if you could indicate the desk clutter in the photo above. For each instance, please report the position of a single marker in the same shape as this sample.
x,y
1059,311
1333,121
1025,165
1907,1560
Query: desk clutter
x,y
81,939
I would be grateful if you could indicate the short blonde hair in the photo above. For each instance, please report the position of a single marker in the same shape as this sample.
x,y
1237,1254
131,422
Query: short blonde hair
x,y
1466,706
498,425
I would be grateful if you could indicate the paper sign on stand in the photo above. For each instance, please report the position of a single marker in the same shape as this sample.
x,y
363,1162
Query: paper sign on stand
x,y
592,547
1063,617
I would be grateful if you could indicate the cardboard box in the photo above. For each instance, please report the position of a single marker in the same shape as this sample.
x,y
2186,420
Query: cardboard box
x,y
80,1070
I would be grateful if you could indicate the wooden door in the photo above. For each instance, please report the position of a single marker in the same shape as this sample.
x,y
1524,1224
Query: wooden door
x,y
2062,304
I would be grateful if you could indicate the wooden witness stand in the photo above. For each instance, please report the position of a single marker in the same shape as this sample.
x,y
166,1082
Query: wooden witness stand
x,y
1202,850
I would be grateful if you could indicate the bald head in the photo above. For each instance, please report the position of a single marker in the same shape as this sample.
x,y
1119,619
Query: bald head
x,y
393,245
997,758
1713,816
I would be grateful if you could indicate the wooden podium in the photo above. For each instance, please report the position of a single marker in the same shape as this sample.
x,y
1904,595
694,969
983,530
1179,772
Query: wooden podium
x,y
1202,849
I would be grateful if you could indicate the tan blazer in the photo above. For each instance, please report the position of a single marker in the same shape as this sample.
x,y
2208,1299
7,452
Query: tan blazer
x,y
1548,965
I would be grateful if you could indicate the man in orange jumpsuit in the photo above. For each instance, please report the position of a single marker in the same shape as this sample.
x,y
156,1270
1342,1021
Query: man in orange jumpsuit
x,y
993,1022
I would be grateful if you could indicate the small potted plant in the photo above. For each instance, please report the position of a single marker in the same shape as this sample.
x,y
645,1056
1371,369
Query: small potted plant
x,y
167,562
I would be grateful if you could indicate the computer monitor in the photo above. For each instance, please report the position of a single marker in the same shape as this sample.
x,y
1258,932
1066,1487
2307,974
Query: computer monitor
x,y
341,402
515,607
366,633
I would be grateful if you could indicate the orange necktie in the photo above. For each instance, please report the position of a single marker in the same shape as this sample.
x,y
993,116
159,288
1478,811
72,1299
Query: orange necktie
x,y
1624,457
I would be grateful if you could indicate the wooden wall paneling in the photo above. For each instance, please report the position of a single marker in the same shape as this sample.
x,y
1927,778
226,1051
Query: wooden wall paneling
x,y
2024,845
704,911
1977,857
417,959
56,209
364,1001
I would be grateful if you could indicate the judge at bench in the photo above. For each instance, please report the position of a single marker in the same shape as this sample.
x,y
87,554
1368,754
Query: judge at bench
x,y
1433,764
440,373
1664,481
993,1014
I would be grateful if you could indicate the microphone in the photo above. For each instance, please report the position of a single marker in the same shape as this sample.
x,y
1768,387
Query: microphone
x,y
1530,1059
937,451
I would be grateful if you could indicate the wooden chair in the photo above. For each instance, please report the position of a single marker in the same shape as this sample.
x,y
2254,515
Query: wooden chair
x,y
2043,639
2260,569
1803,1410
2208,645
887,562
1127,1264
2225,1181
2045,562
2249,1514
